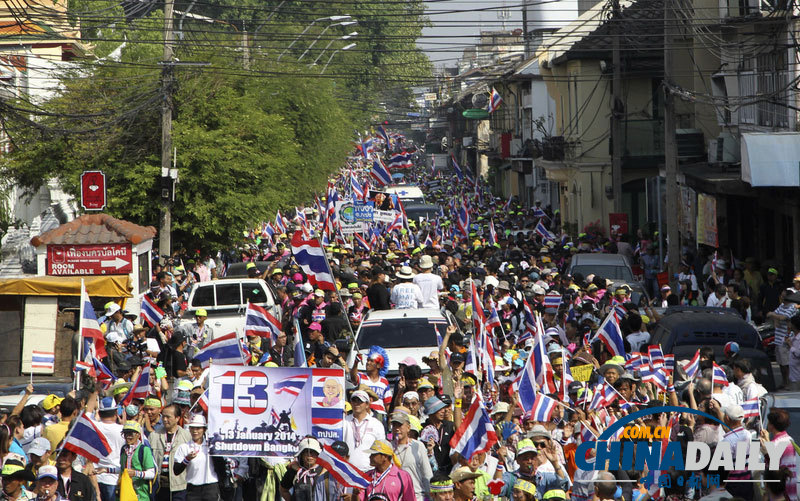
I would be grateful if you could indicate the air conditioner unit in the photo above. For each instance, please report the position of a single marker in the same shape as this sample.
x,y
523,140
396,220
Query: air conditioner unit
x,y
724,149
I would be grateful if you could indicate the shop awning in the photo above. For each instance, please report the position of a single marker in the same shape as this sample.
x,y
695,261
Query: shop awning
x,y
771,159
108,286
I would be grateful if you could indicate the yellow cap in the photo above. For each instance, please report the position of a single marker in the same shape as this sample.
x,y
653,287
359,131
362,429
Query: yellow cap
x,y
525,486
201,312
51,401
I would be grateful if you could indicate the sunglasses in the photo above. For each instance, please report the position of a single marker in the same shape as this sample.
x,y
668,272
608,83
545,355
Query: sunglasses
x,y
540,445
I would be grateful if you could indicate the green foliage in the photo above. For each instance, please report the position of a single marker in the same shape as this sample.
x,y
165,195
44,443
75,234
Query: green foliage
x,y
249,140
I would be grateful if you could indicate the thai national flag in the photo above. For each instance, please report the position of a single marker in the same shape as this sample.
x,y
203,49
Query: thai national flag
x,y
751,408
45,360
311,258
355,187
543,407
260,322
400,161
150,312
611,335
203,401
463,220
493,320
343,471
279,224
655,376
87,441
90,329
552,301
380,173
538,212
485,347
428,241
634,361
224,350
82,366
103,373
397,223
566,379
719,376
693,366
385,136
363,242
476,433
300,216
598,397
537,373
292,385
543,232
656,356
492,233
140,388
494,101
669,363
456,168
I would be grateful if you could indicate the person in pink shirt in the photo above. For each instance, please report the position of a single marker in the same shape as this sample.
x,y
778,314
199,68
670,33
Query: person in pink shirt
x,y
777,424
387,480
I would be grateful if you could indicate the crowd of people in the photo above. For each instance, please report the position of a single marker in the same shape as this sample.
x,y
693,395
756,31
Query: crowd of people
x,y
399,428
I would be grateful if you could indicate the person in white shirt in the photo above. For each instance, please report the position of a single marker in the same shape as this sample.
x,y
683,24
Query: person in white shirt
x,y
112,431
116,321
743,375
193,458
406,294
361,430
719,298
638,337
429,283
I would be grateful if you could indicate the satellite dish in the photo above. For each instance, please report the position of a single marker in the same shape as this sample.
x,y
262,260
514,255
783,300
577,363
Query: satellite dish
x,y
480,100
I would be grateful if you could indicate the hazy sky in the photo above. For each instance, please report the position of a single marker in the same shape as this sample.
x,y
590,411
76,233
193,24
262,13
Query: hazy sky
x,y
452,31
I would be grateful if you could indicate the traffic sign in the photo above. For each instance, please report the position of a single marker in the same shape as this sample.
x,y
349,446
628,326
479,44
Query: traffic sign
x,y
108,259
93,190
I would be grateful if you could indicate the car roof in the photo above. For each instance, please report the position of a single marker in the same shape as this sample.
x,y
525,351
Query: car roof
x,y
406,313
420,206
701,316
786,400
589,259
234,280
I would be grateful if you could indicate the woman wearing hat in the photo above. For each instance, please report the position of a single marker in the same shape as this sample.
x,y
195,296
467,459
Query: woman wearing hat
x,y
193,458
303,478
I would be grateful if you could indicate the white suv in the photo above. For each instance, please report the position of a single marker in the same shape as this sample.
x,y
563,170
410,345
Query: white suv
x,y
402,333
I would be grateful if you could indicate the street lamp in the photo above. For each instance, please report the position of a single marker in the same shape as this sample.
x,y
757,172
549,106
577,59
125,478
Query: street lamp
x,y
346,37
346,47
343,23
328,18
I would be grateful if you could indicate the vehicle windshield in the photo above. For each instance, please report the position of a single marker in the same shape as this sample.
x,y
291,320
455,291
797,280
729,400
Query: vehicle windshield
x,y
399,333
604,270
415,214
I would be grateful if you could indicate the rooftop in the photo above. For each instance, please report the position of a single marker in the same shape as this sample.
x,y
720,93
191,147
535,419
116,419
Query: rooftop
x,y
94,229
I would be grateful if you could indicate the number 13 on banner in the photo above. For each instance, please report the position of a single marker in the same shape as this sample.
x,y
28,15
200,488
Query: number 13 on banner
x,y
245,392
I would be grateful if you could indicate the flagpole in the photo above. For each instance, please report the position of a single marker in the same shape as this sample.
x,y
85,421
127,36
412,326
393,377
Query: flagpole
x,y
80,330
336,289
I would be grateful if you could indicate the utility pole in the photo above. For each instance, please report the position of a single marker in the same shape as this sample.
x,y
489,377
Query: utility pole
x,y
670,146
525,39
245,50
167,182
617,109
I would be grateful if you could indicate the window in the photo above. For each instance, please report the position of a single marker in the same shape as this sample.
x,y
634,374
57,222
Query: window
x,y
228,294
203,296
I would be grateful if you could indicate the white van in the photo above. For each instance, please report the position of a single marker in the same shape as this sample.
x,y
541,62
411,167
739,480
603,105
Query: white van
x,y
226,302
407,193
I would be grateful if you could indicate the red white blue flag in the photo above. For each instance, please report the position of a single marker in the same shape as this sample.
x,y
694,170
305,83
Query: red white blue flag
x,y
90,328
292,385
140,388
150,312
476,433
224,350
87,441
494,101
611,335
310,257
260,322
342,470
693,366
543,407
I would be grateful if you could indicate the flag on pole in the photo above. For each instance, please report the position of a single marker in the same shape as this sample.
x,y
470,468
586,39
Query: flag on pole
x,y
476,433
543,232
45,360
611,335
87,441
140,388
150,312
380,173
543,407
310,256
693,366
751,408
260,322
720,377
292,385
224,350
89,328
299,351
342,470
494,101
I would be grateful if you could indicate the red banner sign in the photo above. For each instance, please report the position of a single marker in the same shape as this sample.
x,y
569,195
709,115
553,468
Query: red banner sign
x,y
93,190
109,259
